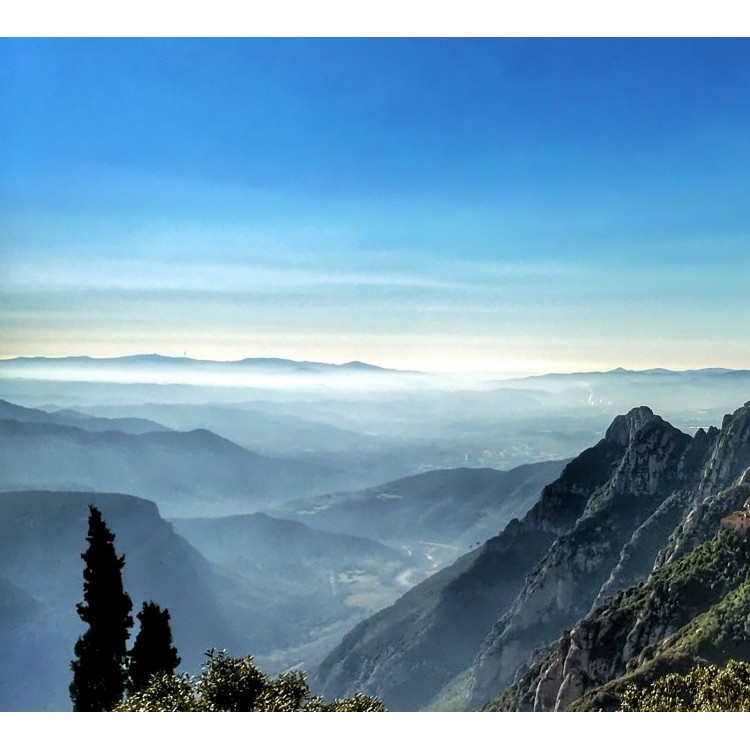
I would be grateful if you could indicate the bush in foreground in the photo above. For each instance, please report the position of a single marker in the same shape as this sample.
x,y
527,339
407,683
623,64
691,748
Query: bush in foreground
x,y
236,684
706,688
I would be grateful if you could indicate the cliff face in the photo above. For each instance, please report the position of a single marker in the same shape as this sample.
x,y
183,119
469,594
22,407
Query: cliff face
x,y
635,633
730,458
656,461
407,653
725,472
642,631
555,584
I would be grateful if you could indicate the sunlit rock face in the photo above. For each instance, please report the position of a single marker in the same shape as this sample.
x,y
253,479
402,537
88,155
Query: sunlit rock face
x,y
524,582
625,630
655,460
646,494
730,458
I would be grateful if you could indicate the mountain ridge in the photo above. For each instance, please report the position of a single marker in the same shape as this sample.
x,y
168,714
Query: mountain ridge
x,y
79,419
162,359
456,507
615,513
177,469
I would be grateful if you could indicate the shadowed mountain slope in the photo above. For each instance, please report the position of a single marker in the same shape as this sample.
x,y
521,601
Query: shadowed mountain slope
x,y
252,584
443,512
633,501
73,418
186,473
42,535
406,653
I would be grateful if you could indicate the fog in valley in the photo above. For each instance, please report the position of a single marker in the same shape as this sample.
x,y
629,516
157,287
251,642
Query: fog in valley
x,y
272,505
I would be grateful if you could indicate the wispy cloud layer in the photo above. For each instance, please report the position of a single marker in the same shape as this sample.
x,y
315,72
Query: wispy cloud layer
x,y
459,204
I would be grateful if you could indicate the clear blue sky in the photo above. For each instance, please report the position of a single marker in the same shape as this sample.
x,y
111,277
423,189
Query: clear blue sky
x,y
489,205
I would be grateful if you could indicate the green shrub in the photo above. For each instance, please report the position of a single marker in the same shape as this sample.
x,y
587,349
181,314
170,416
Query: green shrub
x,y
236,684
705,688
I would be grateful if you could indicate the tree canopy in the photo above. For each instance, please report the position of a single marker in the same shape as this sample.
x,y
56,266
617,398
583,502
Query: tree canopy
x,y
104,671
152,652
236,684
99,669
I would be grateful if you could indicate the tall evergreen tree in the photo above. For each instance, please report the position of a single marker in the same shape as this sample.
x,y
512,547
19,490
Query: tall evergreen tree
x,y
99,669
152,652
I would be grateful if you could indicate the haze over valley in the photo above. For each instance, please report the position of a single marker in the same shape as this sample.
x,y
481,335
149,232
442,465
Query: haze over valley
x,y
360,494
418,366
291,559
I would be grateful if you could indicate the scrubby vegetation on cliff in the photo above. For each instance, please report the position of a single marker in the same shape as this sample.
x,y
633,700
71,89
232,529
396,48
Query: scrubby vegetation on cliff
x,y
690,612
706,688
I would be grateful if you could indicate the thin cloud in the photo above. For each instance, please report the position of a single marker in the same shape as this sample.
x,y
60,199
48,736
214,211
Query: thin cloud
x,y
229,278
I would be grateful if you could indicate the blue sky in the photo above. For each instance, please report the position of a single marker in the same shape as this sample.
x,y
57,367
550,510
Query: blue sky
x,y
488,205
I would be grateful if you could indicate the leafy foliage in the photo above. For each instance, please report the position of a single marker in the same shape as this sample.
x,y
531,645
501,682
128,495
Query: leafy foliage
x,y
152,652
704,596
99,669
164,693
704,688
236,684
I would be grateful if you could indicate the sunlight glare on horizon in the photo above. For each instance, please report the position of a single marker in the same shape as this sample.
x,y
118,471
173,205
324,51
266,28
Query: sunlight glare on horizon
x,y
453,205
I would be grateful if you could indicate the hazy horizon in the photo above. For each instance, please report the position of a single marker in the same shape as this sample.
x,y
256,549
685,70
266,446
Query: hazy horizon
x,y
186,357
509,206
388,361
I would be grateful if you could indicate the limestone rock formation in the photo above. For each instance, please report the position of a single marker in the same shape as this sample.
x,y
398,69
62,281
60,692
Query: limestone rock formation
x,y
617,557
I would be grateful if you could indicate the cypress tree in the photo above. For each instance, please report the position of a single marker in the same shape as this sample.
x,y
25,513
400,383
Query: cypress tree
x,y
152,652
99,669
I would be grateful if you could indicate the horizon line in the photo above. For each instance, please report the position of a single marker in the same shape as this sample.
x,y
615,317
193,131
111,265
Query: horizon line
x,y
362,363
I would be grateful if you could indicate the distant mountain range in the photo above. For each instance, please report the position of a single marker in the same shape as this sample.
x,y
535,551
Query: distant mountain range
x,y
691,397
553,590
161,366
647,371
185,472
55,365
73,418
622,373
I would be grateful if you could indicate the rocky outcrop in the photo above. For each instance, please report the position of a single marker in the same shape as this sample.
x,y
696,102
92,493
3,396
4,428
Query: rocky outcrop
x,y
407,653
617,556
702,520
723,487
621,636
638,555
655,461
703,480
730,456
641,553
625,426
656,457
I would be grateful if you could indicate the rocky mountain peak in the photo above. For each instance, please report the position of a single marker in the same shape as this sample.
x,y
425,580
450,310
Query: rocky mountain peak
x,y
625,426
645,495
731,453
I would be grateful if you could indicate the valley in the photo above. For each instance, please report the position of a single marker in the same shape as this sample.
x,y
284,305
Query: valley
x,y
459,572
356,373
